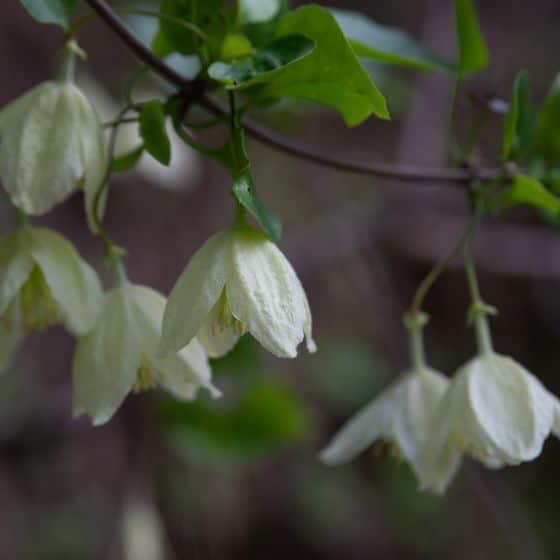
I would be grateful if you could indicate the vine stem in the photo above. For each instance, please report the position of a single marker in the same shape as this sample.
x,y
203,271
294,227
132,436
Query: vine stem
x,y
408,173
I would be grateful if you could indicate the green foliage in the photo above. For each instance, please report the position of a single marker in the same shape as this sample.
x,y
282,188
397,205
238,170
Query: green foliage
x,y
50,11
266,418
257,11
369,39
546,136
235,46
473,53
127,161
244,191
330,74
153,132
518,124
205,15
261,33
277,54
529,191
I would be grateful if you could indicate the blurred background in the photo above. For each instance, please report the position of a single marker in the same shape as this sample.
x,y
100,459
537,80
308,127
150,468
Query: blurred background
x,y
238,478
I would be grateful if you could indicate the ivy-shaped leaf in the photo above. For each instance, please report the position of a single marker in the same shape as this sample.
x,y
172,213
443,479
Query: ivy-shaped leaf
x,y
50,11
546,137
331,74
386,44
518,124
278,54
153,132
473,53
244,191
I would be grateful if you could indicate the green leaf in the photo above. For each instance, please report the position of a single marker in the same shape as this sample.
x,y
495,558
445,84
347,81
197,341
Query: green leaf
x,y
153,132
279,53
369,39
206,15
127,161
473,53
244,191
257,11
529,191
331,74
50,11
235,46
518,124
262,33
547,137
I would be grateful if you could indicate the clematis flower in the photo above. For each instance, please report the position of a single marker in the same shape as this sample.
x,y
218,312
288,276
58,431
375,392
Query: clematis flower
x,y
120,355
43,281
51,143
238,282
495,411
400,417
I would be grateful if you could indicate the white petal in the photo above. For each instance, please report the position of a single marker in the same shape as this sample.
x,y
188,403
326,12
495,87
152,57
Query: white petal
x,y
195,293
264,293
40,160
15,265
74,285
513,411
107,359
181,373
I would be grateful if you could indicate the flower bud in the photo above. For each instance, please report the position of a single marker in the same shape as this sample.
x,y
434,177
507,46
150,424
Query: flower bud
x,y
495,411
51,143
400,416
120,355
238,282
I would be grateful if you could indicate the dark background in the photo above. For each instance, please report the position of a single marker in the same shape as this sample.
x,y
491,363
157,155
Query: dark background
x,y
238,478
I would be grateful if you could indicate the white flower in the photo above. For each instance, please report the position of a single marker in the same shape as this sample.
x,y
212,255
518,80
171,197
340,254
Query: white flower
x,y
51,143
238,281
495,411
400,416
120,355
43,281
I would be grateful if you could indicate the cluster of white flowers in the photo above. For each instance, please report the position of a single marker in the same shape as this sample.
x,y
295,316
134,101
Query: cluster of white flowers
x,y
492,410
129,339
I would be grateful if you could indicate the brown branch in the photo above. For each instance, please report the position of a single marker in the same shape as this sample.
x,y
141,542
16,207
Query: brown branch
x,y
395,172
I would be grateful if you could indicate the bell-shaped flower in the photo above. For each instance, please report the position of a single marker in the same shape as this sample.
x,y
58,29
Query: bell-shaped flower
x,y
43,281
400,416
238,282
51,143
120,355
495,411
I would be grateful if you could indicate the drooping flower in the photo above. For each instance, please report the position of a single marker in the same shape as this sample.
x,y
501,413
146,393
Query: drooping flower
x,y
51,143
238,282
495,411
43,281
120,355
400,417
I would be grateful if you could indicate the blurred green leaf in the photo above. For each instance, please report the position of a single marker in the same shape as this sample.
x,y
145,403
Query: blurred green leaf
x,y
257,11
547,137
387,44
266,418
330,74
234,46
50,11
473,53
529,191
262,33
206,15
518,124
277,54
127,161
153,132
244,191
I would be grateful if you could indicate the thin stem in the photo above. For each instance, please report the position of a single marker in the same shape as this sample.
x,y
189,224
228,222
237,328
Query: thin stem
x,y
390,171
417,354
